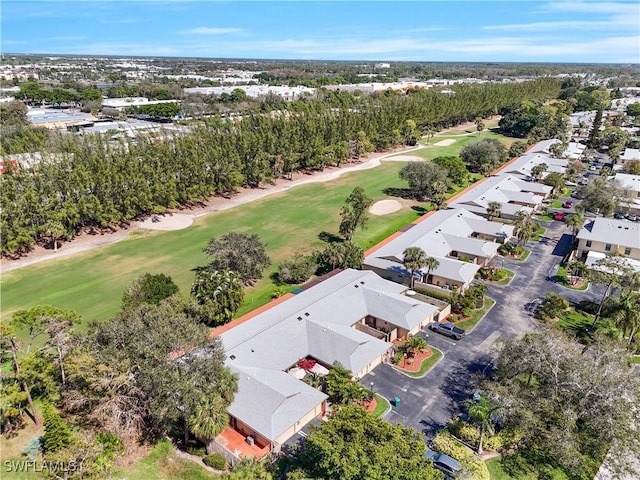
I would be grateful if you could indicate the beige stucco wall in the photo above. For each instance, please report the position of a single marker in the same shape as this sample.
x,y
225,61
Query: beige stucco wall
x,y
582,249
316,412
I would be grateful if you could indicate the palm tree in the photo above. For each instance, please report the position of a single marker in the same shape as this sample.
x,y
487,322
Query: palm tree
x,y
481,413
626,314
575,222
431,264
209,419
414,258
493,210
525,227
577,269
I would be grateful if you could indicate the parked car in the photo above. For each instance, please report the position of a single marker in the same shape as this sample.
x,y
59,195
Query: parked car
x,y
446,464
558,216
448,329
568,204
632,216
618,215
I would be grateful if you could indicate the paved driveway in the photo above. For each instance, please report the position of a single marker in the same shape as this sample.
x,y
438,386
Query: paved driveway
x,y
426,404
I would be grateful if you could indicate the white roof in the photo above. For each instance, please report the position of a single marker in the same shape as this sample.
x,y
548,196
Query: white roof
x,y
630,154
594,257
504,189
611,230
627,181
524,165
439,235
317,322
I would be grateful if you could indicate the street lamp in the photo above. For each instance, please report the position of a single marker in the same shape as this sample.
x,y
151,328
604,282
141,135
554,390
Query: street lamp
x,y
372,388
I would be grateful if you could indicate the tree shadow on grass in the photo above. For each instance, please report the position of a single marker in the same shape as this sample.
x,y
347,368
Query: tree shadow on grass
x,y
329,237
419,209
398,192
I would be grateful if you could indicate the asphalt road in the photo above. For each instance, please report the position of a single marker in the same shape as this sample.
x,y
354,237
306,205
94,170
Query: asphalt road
x,y
426,404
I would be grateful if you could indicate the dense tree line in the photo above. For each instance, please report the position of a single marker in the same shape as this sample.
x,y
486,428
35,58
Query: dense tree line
x,y
86,183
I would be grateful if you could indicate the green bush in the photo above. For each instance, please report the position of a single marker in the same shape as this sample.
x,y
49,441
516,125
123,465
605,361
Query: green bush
x,y
473,466
297,269
397,357
433,294
198,451
216,461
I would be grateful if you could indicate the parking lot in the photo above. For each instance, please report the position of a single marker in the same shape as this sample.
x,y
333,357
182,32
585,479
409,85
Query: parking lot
x,y
426,404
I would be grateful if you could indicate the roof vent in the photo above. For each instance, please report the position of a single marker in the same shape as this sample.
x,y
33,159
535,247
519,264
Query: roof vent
x,y
252,350
356,286
361,283
299,318
306,314
232,357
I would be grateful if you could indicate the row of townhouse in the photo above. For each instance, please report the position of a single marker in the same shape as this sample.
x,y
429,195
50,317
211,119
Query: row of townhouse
x,y
355,317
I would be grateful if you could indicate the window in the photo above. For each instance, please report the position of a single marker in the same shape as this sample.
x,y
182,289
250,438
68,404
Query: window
x,y
588,243
607,247
627,251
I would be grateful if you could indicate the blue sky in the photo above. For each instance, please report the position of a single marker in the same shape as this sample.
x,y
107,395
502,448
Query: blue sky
x,y
518,31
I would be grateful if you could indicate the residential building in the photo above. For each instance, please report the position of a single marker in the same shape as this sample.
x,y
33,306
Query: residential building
x,y
512,193
630,185
352,318
522,166
461,241
608,236
630,155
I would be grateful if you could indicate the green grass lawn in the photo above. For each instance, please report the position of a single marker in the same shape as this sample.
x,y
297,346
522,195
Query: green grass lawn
x,y
545,217
163,464
426,364
575,322
539,233
470,324
430,151
92,283
635,359
556,204
290,222
563,279
508,275
382,406
496,470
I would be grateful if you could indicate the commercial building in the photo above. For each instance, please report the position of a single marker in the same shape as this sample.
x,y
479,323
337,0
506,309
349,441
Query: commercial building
x,y
122,103
255,91
461,241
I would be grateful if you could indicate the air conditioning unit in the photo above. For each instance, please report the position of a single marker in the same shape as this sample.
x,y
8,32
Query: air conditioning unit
x,y
251,441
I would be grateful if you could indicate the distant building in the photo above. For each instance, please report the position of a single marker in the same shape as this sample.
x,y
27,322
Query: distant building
x,y
122,103
255,91
57,119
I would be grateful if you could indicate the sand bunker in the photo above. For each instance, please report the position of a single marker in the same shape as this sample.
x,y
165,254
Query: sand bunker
x,y
404,158
384,207
445,143
177,221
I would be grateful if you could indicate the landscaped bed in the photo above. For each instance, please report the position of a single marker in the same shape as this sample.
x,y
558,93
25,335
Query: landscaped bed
x,y
574,283
421,363
469,323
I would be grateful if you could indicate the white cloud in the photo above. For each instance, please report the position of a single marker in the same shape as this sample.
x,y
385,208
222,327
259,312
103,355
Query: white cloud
x,y
211,31
558,26
66,38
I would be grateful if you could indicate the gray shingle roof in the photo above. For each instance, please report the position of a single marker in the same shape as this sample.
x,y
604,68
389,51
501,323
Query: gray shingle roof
x,y
438,235
271,401
317,322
